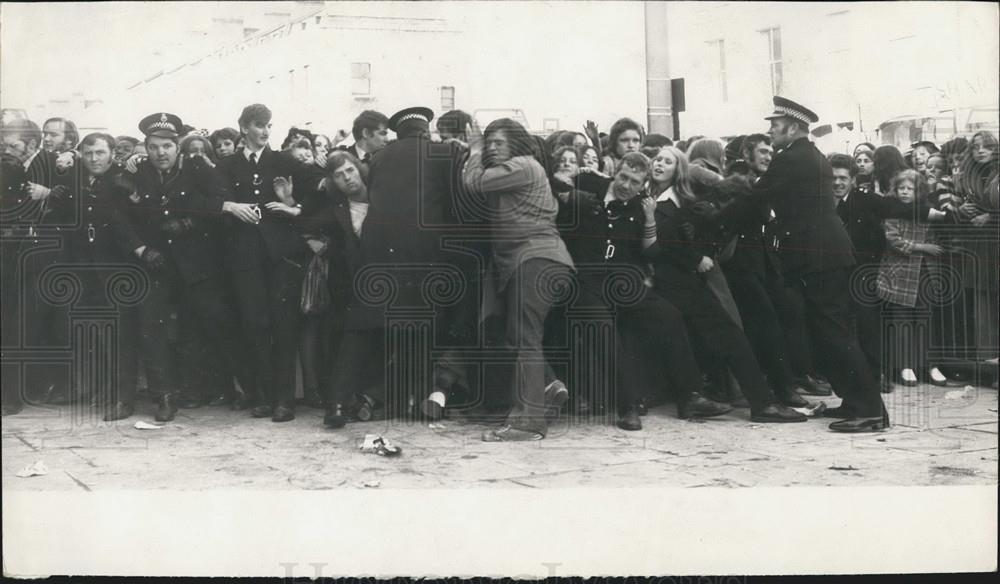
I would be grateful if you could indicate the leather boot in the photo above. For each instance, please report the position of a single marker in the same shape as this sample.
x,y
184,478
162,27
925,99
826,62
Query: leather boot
x,y
167,409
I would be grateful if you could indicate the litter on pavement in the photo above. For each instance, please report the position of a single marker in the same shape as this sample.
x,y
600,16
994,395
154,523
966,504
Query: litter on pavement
x,y
33,470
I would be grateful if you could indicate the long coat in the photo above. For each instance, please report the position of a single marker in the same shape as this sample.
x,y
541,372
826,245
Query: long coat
x,y
410,192
810,236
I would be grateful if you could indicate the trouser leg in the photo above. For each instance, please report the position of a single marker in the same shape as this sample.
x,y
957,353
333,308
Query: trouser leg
x,y
527,308
826,300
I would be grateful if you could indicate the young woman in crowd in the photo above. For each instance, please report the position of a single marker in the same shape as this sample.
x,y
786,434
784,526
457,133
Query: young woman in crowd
x,y
321,149
979,213
680,261
626,135
921,152
909,265
888,162
864,158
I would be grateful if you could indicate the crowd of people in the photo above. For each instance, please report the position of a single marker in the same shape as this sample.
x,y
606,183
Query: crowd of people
x,y
496,271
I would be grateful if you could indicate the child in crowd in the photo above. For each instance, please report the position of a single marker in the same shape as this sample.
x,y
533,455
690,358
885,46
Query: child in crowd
x,y
907,282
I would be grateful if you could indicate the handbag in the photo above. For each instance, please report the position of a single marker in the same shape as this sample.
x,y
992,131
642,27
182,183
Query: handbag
x,y
315,292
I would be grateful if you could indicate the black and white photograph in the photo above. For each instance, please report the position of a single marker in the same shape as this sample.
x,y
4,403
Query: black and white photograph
x,y
317,289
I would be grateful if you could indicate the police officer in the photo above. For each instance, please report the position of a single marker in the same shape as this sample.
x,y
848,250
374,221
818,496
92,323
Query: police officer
x,y
103,236
817,257
266,257
174,212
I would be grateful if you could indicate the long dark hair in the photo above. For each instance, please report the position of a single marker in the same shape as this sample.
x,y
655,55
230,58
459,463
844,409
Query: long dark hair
x,y
888,162
521,142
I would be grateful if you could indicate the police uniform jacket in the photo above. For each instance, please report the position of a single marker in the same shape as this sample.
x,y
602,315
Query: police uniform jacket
x,y
104,232
276,236
809,236
410,210
176,213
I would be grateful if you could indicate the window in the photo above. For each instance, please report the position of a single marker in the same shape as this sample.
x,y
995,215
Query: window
x,y
720,46
773,37
361,78
447,98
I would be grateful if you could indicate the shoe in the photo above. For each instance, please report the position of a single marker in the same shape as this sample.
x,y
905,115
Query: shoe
x,y
507,433
699,406
817,378
334,417
283,413
777,413
806,386
938,378
556,395
433,406
219,400
642,407
262,411
167,409
791,399
908,378
119,411
190,403
630,420
858,425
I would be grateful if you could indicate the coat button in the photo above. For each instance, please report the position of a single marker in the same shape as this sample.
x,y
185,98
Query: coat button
x,y
391,250
610,226
166,211
182,193
170,241
90,208
256,191
237,184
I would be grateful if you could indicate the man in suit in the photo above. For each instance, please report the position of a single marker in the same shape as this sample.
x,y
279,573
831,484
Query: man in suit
x,y
267,258
817,258
371,134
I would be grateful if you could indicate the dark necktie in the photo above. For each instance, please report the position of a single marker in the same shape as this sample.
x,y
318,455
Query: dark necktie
x,y
842,210
253,159
367,158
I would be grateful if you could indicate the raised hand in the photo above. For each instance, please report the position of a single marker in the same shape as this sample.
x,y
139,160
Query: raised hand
x,y
283,188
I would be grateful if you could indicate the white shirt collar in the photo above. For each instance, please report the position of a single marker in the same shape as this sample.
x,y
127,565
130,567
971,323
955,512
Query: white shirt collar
x,y
669,195
247,152
31,158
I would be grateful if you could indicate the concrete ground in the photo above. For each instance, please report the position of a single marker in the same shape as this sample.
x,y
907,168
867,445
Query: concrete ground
x,y
941,436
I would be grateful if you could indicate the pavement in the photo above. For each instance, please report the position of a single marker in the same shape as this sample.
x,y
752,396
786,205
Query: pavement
x,y
940,436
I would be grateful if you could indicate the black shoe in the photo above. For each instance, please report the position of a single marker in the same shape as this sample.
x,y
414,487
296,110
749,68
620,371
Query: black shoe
x,y
791,399
858,425
699,406
283,413
806,386
777,413
119,411
262,411
630,420
334,417
167,409
190,403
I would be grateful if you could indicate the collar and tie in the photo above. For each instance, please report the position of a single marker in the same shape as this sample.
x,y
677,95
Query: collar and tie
x,y
253,159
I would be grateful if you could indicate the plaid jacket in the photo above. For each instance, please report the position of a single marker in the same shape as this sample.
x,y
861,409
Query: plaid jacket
x,y
899,272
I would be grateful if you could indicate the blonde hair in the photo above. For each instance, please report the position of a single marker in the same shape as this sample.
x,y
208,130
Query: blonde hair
x,y
682,176
915,178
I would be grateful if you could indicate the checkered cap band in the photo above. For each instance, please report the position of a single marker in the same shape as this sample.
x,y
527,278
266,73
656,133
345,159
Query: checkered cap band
x,y
781,110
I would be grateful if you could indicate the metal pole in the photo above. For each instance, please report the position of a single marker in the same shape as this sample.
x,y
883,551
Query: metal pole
x,y
660,117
